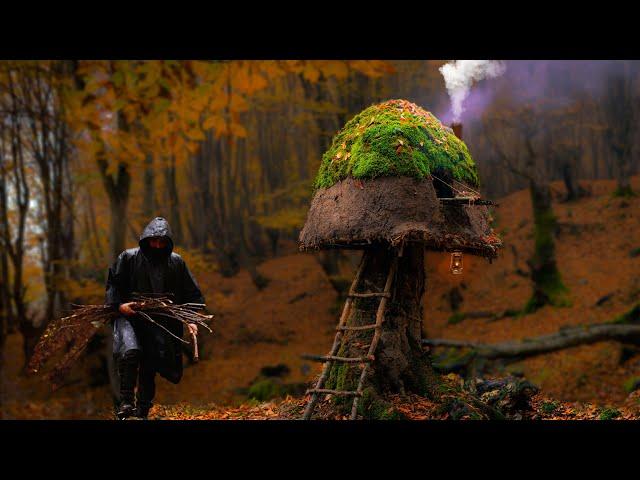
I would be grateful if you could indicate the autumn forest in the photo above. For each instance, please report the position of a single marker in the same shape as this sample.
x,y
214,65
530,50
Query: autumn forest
x,y
228,153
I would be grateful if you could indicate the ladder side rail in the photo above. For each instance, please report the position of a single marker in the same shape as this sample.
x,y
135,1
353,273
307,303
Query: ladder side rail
x,y
376,337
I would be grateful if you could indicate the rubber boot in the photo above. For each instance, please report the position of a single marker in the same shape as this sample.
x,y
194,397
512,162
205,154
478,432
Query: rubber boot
x,y
128,369
146,389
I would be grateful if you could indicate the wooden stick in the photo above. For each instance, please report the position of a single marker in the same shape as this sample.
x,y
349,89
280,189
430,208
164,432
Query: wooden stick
x,y
359,327
369,295
194,336
326,358
346,393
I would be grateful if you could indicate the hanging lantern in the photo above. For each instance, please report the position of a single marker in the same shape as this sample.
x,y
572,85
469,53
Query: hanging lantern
x,y
456,263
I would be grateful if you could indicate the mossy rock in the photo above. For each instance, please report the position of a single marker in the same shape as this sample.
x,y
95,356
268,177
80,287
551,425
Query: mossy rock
x,y
395,138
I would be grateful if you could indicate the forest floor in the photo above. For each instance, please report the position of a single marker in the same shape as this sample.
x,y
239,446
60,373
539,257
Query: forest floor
x,y
598,251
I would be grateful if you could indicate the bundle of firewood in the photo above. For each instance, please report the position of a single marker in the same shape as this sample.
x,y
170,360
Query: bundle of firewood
x,y
71,334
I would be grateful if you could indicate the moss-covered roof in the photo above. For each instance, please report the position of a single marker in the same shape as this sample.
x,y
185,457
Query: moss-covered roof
x,y
395,138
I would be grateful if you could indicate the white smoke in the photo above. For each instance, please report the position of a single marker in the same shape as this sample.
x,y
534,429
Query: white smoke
x,y
459,75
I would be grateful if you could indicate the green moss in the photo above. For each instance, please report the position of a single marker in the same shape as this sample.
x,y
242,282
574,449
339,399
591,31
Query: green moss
x,y
632,384
456,318
549,288
626,192
549,407
452,360
630,316
372,407
264,390
395,138
343,376
609,414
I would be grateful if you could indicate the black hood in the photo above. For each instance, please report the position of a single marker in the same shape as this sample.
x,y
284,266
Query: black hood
x,y
158,227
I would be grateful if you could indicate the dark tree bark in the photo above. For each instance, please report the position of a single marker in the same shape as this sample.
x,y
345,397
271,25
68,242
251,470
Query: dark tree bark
x,y
149,200
547,283
400,363
173,199
117,188
49,145
14,172
571,337
548,287
623,329
569,182
201,197
621,117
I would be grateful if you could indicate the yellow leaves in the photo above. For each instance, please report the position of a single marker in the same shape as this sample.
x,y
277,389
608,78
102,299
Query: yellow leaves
x,y
285,219
214,122
237,130
372,68
238,104
132,108
195,134
117,79
258,82
311,73
334,68
192,147
161,104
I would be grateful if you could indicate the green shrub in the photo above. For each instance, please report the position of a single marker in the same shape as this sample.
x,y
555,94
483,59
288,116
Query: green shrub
x,y
549,407
264,390
609,414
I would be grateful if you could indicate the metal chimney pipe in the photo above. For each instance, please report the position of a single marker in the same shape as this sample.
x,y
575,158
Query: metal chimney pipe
x,y
457,129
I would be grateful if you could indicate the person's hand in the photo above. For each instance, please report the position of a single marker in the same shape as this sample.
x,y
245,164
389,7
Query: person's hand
x,y
193,329
127,309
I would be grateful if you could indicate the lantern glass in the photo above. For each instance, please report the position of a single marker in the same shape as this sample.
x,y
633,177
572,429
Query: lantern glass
x,y
456,263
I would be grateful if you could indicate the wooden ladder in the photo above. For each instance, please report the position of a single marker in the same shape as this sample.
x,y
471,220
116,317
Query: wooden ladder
x,y
366,361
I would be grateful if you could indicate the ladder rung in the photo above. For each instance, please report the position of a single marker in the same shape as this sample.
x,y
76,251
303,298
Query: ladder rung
x,y
345,393
332,358
360,327
370,294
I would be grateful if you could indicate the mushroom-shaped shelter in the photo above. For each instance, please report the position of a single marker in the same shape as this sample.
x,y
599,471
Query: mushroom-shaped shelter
x,y
394,181
381,181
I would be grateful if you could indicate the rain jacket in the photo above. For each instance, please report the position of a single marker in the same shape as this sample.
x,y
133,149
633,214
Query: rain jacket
x,y
147,270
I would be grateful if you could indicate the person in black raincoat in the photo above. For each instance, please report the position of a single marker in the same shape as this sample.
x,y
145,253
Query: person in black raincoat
x,y
140,348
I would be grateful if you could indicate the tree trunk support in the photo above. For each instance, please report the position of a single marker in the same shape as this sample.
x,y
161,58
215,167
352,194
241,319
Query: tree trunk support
x,y
366,360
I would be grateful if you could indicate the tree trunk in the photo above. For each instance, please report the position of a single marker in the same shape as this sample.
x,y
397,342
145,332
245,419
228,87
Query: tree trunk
x,y
149,201
173,199
570,337
548,288
118,192
400,363
624,170
118,225
569,183
624,329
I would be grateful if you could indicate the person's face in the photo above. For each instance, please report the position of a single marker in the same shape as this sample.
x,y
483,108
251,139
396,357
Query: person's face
x,y
157,242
